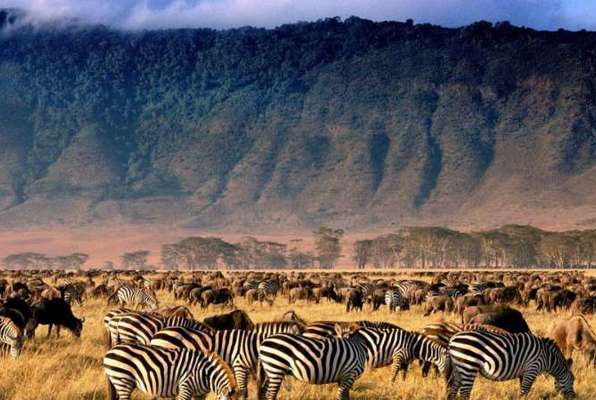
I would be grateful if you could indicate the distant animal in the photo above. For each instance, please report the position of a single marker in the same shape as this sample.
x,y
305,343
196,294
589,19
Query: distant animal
x,y
137,298
56,312
181,373
355,300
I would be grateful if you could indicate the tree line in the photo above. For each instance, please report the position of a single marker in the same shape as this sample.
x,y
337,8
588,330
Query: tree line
x,y
509,246
409,247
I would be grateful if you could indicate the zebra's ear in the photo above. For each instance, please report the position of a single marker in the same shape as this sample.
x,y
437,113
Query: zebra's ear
x,y
569,362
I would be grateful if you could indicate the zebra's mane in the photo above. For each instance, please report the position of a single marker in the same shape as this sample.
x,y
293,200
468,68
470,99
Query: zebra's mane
x,y
485,328
227,369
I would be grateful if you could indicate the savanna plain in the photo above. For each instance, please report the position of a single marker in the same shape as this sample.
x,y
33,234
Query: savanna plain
x,y
67,369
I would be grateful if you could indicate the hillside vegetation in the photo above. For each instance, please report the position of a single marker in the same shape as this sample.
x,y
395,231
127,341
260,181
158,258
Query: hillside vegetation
x,y
351,123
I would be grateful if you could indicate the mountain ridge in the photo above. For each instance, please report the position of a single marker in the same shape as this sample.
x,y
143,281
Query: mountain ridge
x,y
351,123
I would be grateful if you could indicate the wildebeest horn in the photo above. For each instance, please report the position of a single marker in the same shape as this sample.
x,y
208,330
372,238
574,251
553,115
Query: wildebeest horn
x,y
83,319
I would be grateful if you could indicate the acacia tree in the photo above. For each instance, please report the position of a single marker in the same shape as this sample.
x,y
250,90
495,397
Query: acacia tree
x,y
135,260
328,246
361,252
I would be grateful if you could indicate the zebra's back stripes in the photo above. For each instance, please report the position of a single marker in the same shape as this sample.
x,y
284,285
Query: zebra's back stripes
x,y
166,373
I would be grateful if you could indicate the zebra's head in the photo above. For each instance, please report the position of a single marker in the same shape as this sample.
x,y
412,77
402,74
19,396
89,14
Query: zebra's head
x,y
560,369
222,380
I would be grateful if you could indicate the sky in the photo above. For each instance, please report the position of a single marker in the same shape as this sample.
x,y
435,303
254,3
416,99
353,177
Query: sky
x,y
219,14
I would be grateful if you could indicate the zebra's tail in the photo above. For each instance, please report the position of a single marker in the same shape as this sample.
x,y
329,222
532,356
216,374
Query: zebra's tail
x,y
112,394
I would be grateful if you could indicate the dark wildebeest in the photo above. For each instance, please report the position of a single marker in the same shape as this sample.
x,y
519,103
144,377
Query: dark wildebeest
x,y
355,299
503,317
18,311
236,319
56,312
217,296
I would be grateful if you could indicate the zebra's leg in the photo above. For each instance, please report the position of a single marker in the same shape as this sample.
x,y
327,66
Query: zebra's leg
x,y
273,386
241,375
399,363
526,382
343,392
184,391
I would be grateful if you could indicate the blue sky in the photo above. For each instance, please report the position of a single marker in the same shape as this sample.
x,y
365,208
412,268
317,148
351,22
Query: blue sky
x,y
149,14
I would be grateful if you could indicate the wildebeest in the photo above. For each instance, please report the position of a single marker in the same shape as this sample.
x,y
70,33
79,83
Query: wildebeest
x,y
503,317
55,312
18,311
574,333
237,319
300,293
355,299
223,296
438,303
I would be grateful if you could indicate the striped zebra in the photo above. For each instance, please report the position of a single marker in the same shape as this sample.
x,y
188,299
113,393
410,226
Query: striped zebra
x,y
325,329
239,348
269,288
135,297
183,373
135,327
339,360
395,299
501,357
11,337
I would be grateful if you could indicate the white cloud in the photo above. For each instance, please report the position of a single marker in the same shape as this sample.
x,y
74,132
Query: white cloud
x,y
149,14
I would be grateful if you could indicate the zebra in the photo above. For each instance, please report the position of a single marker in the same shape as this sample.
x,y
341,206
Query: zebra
x,y
501,357
394,299
135,327
134,297
339,360
239,348
159,372
324,329
389,344
11,337
269,288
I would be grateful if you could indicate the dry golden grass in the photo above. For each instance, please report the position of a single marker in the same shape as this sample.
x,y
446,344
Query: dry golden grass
x,y
67,369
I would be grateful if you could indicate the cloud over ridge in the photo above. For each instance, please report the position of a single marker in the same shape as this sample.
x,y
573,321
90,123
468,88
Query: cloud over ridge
x,y
155,14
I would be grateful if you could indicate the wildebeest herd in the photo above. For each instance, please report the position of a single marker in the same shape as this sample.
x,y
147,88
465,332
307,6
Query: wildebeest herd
x,y
165,352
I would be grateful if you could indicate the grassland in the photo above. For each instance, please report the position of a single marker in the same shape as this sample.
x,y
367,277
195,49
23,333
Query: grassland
x,y
69,369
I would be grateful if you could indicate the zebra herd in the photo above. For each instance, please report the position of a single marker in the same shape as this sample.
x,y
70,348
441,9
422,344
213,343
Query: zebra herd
x,y
167,356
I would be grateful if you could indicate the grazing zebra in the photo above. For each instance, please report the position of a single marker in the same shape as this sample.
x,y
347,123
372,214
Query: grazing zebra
x,y
11,337
317,361
325,329
135,297
395,299
186,374
501,357
135,327
239,348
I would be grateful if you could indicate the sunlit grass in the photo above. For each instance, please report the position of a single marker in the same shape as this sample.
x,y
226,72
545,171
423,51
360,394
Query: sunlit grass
x,y
71,369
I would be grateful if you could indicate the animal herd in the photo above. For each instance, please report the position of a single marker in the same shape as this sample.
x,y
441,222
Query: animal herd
x,y
165,352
